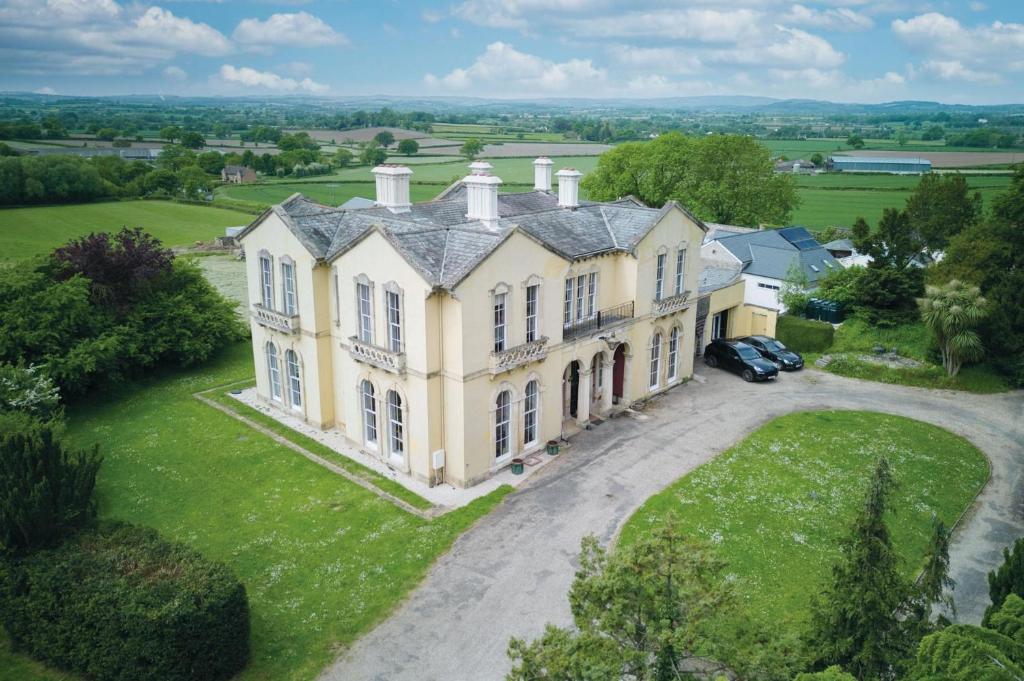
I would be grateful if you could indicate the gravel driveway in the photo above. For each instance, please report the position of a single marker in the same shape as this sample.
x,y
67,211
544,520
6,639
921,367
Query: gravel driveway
x,y
509,574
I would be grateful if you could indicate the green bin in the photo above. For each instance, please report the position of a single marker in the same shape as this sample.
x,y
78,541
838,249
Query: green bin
x,y
517,466
552,447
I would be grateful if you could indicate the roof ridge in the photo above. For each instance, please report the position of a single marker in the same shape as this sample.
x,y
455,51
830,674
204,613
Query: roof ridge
x,y
444,256
607,225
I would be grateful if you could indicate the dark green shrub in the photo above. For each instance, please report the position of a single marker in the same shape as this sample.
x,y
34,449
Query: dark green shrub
x,y
804,335
1007,579
45,488
119,603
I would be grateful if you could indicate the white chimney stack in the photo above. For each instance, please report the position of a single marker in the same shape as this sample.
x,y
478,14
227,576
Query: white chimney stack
x,y
569,187
542,174
393,187
481,192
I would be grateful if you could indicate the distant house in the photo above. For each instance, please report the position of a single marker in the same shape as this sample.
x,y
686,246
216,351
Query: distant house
x,y
765,258
844,251
798,166
238,174
880,164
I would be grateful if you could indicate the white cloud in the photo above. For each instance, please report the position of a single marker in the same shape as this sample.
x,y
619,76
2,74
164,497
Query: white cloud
x,y
299,69
268,80
431,16
781,47
514,13
955,70
299,29
46,90
661,59
978,6
701,25
841,19
954,52
175,73
655,85
503,70
98,37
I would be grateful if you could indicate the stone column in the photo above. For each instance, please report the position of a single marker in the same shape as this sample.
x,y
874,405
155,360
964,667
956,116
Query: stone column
x,y
583,398
607,383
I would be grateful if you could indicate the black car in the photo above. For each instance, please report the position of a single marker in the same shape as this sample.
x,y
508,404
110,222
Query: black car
x,y
739,358
775,351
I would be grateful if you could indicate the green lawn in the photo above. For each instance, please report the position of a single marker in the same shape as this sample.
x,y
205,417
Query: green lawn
x,y
776,504
841,207
323,559
794,149
30,231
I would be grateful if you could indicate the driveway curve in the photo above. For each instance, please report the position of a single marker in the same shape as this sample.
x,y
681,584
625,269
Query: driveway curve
x,y
510,573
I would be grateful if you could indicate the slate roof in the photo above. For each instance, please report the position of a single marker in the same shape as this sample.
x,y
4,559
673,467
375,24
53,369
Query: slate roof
x,y
714,277
436,238
770,253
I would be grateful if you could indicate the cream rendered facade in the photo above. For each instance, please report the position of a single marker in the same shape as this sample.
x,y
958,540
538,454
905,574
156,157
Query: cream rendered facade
x,y
452,381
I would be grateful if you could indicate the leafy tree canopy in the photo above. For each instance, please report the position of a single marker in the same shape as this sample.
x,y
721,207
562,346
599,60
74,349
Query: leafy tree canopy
x,y
940,207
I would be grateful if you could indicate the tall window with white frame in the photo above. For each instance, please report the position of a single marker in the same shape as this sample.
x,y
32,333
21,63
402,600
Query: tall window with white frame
x,y
581,284
369,400
531,398
274,372
499,321
655,361
365,304
680,270
396,425
288,287
592,294
503,424
673,354
267,282
291,361
394,301
532,301
567,315
659,278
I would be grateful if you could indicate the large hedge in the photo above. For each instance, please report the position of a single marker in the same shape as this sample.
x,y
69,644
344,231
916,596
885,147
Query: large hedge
x,y
804,335
104,308
119,603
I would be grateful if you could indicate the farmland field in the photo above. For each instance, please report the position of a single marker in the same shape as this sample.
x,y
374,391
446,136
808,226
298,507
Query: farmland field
x,y
30,231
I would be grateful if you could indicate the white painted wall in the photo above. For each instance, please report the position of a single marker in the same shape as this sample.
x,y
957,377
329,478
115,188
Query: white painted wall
x,y
754,294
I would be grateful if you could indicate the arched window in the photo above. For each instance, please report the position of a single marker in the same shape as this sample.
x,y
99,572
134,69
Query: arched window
x,y
673,353
396,424
502,424
291,305
369,413
530,411
655,360
274,372
291,361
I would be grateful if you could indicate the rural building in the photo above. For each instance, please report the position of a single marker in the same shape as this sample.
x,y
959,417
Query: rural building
x,y
766,258
798,166
449,337
238,174
879,164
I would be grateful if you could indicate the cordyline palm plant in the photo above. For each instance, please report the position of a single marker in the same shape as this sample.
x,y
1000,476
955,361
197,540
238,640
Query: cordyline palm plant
x,y
952,312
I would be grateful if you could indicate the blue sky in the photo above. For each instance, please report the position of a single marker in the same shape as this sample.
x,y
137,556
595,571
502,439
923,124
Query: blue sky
x,y
842,50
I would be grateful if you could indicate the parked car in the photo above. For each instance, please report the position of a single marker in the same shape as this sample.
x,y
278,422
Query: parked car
x,y
774,351
741,359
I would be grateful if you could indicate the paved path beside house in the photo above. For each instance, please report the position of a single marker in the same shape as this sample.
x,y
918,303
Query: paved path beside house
x,y
510,573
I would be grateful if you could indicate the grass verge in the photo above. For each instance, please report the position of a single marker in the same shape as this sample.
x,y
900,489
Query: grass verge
x,y
776,504
323,559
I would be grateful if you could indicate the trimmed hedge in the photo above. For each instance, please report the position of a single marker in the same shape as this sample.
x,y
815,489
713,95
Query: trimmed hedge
x,y
804,335
118,602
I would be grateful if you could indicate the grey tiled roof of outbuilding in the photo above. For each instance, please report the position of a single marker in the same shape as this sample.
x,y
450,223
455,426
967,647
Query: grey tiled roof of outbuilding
x,y
436,238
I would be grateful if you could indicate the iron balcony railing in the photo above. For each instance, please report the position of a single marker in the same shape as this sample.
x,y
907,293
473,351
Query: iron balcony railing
x,y
601,320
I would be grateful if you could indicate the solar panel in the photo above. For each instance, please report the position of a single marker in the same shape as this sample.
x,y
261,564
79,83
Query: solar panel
x,y
799,237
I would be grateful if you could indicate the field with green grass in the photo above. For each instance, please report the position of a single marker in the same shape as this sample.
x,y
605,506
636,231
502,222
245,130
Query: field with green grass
x,y
839,199
776,504
323,559
30,231
794,149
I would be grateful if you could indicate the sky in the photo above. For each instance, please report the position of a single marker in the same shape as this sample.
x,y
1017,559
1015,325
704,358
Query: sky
x,y
954,51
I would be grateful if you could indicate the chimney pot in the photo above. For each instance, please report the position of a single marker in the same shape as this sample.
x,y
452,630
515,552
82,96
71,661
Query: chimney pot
x,y
393,187
569,187
481,192
542,174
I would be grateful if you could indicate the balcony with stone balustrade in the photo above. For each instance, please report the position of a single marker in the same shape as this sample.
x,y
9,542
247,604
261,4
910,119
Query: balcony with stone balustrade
x,y
667,306
512,358
272,319
374,355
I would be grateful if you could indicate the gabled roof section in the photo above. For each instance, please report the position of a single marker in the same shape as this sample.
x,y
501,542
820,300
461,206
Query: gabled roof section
x,y
437,239
770,253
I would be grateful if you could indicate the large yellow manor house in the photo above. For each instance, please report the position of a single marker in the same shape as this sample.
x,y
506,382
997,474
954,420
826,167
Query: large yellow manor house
x,y
451,336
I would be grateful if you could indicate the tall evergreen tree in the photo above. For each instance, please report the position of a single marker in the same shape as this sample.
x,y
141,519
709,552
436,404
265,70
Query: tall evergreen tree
x,y
858,620
1007,579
